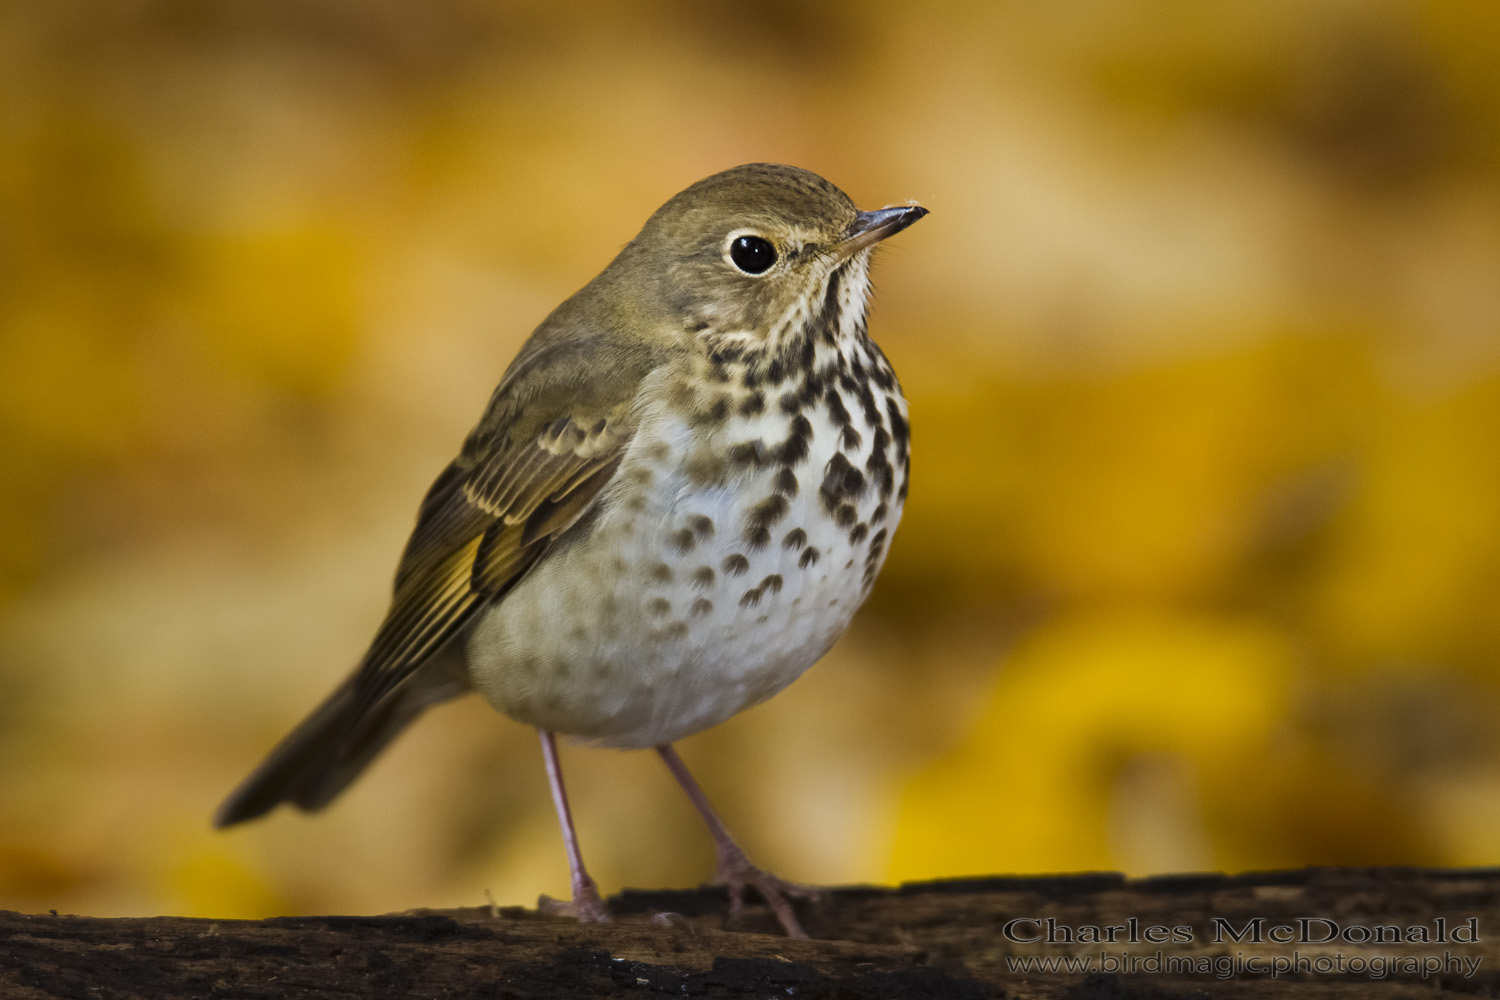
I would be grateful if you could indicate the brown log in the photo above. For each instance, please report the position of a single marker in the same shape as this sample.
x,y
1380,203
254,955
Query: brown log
x,y
955,939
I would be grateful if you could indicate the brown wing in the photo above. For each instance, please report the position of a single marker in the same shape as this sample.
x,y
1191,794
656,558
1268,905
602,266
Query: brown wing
x,y
486,520
489,516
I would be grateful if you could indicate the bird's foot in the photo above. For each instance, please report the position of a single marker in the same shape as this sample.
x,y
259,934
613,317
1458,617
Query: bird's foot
x,y
735,872
586,906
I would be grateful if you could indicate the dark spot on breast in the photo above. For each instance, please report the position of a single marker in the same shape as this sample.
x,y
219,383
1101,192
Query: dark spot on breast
x,y
661,573
763,515
701,607
757,538
794,449
770,510
790,404
771,584
659,607
683,541
775,371
750,598
850,438
841,482
749,454
753,404
735,565
809,558
899,429
877,546
676,630
701,526
812,389
880,513
706,467
858,532
879,463
836,408
750,379
719,412
845,515
785,482
881,370
795,539
703,577
867,400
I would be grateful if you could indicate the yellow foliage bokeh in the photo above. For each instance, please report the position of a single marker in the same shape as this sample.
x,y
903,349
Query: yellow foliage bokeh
x,y
1201,564
1073,710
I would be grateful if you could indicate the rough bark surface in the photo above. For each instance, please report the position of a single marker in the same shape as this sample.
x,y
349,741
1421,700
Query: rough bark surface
x,y
930,940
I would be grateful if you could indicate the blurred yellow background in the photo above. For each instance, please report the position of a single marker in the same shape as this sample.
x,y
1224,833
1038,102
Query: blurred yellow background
x,y
1201,567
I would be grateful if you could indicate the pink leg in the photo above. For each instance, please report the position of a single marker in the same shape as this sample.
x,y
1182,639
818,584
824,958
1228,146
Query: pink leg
x,y
734,869
586,904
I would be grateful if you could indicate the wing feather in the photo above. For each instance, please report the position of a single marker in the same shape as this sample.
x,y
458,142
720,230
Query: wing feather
x,y
485,521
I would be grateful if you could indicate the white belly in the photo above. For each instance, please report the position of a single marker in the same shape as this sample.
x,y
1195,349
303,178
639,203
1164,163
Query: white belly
x,y
671,614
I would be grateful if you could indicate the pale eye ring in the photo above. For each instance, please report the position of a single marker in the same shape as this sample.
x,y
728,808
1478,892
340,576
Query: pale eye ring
x,y
752,254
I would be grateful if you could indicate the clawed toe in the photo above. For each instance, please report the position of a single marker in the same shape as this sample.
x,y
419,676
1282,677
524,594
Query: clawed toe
x,y
734,870
736,873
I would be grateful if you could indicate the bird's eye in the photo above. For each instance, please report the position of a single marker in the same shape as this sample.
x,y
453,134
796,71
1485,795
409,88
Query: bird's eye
x,y
752,254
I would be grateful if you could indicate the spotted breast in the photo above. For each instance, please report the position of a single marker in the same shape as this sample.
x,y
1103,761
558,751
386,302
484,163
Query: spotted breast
x,y
747,523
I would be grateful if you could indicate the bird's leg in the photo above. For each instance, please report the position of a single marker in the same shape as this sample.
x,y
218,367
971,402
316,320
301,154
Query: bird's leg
x,y
587,906
734,869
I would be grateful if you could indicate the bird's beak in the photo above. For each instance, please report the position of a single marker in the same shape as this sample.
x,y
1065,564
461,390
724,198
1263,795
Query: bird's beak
x,y
870,228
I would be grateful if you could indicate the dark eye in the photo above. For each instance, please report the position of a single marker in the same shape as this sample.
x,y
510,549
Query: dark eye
x,y
752,254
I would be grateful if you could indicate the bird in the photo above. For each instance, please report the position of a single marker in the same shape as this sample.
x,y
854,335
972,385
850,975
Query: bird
x,y
682,489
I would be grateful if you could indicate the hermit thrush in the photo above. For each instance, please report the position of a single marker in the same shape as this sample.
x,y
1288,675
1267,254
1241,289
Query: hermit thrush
x,y
679,494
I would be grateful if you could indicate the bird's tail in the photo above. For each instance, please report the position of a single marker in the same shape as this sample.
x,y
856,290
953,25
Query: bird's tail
x,y
328,750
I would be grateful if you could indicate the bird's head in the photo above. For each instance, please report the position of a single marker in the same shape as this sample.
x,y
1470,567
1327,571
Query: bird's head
x,y
750,256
